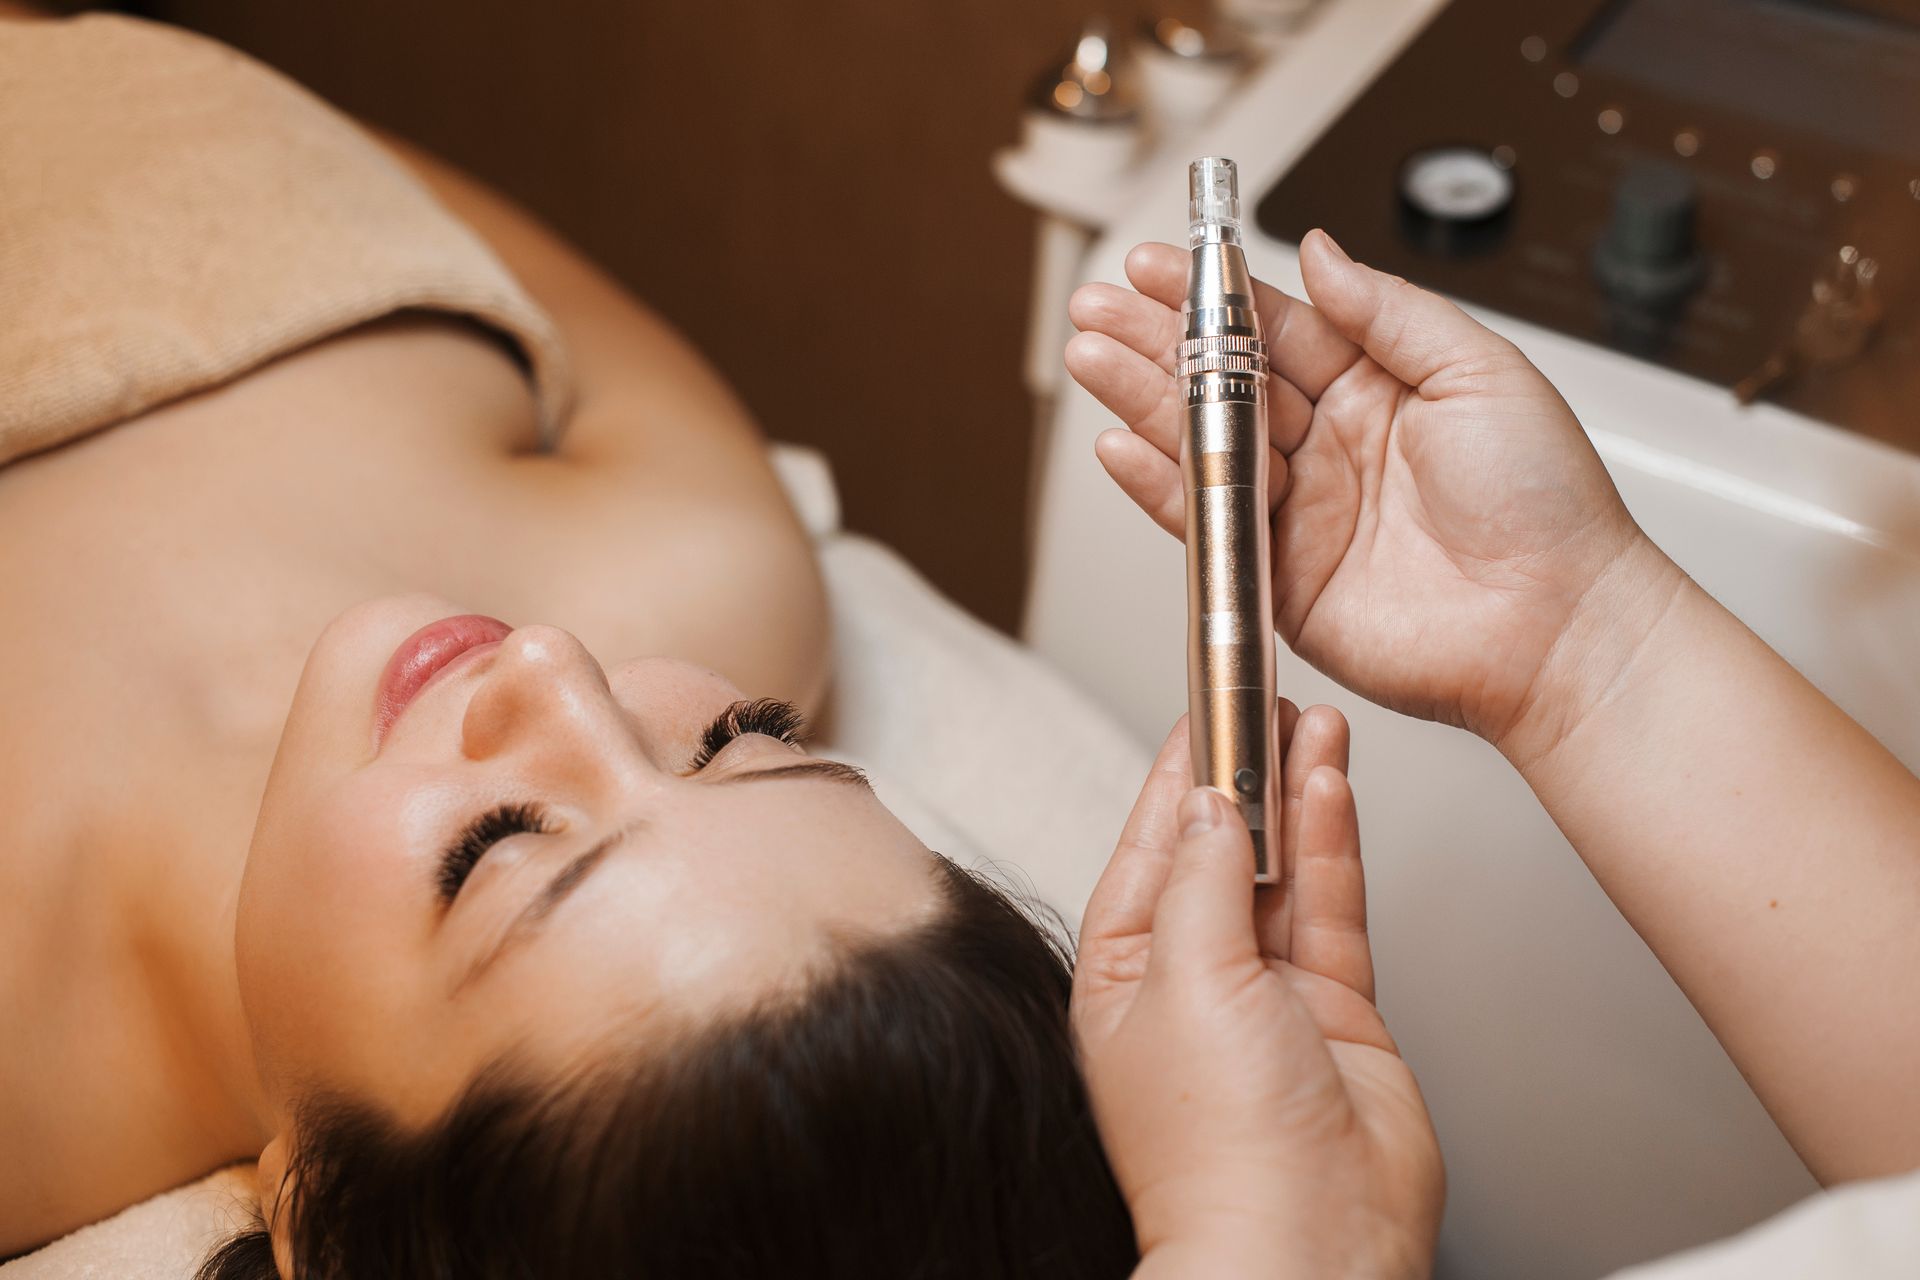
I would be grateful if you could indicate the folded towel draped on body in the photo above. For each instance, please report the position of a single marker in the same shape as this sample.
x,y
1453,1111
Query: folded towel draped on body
x,y
175,214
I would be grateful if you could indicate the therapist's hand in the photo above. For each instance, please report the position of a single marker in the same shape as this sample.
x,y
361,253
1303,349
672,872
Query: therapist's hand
x,y
1445,539
1256,1113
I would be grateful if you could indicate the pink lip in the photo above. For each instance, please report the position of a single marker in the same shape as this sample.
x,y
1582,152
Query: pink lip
x,y
424,655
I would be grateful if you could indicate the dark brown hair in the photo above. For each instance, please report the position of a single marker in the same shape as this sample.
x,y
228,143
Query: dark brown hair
x,y
916,1112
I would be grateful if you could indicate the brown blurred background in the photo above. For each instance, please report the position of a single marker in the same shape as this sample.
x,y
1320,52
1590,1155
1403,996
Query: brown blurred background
x,y
854,270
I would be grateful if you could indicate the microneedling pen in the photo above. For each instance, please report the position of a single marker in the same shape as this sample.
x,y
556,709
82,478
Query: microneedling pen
x,y
1223,459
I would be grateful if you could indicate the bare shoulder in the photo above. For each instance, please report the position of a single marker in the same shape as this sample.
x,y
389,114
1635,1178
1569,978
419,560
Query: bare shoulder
x,y
622,353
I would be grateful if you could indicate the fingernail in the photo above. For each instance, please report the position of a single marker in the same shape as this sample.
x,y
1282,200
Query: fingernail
x,y
1200,812
1334,246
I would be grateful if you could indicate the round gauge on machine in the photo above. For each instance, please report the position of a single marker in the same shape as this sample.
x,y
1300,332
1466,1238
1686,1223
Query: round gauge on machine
x,y
1457,185
1454,199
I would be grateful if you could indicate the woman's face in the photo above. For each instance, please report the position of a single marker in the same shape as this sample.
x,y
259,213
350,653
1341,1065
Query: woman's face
x,y
380,959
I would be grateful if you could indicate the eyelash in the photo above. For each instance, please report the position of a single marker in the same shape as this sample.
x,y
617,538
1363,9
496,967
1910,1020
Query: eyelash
x,y
769,716
484,832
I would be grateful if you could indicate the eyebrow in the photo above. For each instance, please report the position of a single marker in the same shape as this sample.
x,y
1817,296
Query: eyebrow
x,y
831,770
582,865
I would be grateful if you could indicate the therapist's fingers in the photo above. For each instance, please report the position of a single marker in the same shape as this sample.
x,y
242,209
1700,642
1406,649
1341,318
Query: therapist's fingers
x,y
1330,893
1302,347
1122,903
1120,911
1320,740
1146,475
1411,333
1151,330
1139,392
1154,482
1116,931
1204,920
1294,747
1146,397
1139,322
1124,355
1286,721
1289,416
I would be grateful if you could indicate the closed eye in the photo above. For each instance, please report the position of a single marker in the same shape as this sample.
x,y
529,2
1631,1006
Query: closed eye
x,y
768,716
490,828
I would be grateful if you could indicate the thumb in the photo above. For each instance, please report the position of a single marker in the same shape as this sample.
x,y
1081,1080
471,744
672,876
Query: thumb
x,y
1205,915
1410,333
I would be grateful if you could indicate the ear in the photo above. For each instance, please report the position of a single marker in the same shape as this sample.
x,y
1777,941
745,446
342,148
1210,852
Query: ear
x,y
272,1185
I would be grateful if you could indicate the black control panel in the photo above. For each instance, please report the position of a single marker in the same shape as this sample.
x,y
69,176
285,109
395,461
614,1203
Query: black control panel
x,y
1729,188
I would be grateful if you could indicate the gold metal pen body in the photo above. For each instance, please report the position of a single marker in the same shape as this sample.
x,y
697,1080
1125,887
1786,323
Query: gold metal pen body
x,y
1223,459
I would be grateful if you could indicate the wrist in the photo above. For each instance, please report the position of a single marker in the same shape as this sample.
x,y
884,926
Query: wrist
x,y
1241,1213
1221,1250
1197,1256
1254,1238
1611,636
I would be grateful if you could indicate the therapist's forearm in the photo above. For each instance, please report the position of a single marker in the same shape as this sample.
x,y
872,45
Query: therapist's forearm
x,y
1763,844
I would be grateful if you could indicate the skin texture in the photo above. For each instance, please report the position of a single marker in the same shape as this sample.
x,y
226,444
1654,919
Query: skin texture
x,y
1447,543
357,979
169,578
727,882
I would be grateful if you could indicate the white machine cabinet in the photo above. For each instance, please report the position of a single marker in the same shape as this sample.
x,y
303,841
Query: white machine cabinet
x,y
1589,1119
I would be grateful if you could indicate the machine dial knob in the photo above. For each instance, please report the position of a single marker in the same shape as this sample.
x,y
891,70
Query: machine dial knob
x,y
1649,255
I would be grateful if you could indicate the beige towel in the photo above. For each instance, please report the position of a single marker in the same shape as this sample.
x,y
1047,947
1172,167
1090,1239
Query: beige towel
x,y
173,214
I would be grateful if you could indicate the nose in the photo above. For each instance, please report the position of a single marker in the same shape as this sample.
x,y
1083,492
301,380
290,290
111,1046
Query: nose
x,y
545,697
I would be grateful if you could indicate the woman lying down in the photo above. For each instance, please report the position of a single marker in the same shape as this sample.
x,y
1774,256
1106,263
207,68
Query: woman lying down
x,y
499,959
504,962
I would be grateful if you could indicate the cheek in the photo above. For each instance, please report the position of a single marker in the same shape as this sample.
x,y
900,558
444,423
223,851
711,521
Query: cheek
x,y
330,919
